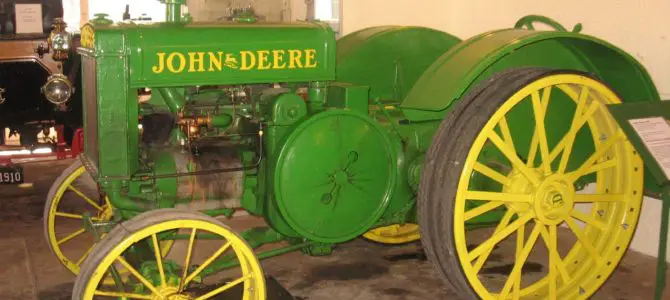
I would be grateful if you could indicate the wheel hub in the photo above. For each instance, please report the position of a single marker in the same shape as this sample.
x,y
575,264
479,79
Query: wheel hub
x,y
551,201
519,184
340,177
106,213
170,293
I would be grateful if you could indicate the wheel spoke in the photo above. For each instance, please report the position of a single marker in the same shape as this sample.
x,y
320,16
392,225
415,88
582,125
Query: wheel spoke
x,y
562,143
138,275
520,261
520,235
557,261
507,135
73,216
482,259
83,257
207,262
535,142
122,295
540,130
159,258
552,246
68,215
513,158
224,288
588,164
71,236
187,261
481,209
584,241
592,198
568,90
91,202
491,173
574,128
496,196
594,168
497,238
588,219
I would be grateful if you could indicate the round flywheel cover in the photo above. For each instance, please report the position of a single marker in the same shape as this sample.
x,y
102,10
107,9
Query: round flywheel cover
x,y
335,176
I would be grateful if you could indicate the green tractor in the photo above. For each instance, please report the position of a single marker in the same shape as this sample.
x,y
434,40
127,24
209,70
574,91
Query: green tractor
x,y
497,145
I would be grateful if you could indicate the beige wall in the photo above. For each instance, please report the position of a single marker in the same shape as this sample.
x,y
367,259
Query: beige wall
x,y
637,26
358,14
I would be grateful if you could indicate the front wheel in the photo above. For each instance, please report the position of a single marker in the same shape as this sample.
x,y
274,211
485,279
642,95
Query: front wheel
x,y
73,195
503,210
128,263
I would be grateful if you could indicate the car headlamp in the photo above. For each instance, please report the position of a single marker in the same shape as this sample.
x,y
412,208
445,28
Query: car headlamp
x,y
58,89
60,41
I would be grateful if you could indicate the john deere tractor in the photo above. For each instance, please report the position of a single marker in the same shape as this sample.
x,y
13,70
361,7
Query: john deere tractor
x,y
496,145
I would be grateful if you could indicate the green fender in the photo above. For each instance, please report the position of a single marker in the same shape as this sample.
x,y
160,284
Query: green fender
x,y
389,59
476,59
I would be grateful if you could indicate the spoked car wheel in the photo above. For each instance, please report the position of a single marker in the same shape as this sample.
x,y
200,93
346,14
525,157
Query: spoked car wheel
x,y
539,196
134,248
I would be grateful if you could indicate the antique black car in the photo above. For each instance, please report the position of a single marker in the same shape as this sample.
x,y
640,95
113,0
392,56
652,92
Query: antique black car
x,y
39,71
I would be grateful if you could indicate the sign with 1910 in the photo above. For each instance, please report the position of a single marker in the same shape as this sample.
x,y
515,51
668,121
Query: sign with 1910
x,y
11,175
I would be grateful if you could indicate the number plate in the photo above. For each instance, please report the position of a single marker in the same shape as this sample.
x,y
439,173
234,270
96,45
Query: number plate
x,y
11,175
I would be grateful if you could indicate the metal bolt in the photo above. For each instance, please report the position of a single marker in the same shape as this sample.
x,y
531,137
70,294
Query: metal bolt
x,y
326,198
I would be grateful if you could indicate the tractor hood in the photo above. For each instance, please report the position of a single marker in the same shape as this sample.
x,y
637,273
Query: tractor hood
x,y
214,54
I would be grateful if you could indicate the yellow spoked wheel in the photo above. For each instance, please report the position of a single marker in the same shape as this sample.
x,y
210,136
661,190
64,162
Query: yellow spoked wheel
x,y
135,247
394,234
72,195
529,143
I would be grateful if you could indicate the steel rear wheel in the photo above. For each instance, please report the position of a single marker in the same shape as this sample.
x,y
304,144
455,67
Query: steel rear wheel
x,y
134,248
72,195
528,144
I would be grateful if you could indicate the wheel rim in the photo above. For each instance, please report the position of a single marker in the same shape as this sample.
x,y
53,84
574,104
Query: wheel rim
x,y
99,213
164,287
394,234
538,200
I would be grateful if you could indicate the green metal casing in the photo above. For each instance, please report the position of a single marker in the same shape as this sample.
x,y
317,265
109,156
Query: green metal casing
x,y
120,58
477,58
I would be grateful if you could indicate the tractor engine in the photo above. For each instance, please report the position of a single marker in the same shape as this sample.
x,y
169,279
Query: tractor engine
x,y
209,135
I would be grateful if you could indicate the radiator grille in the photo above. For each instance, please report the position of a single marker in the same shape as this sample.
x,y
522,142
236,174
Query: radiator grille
x,y
90,97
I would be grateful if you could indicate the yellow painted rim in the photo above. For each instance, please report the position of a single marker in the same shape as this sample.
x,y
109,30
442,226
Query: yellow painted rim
x,y
542,198
251,272
104,214
394,234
